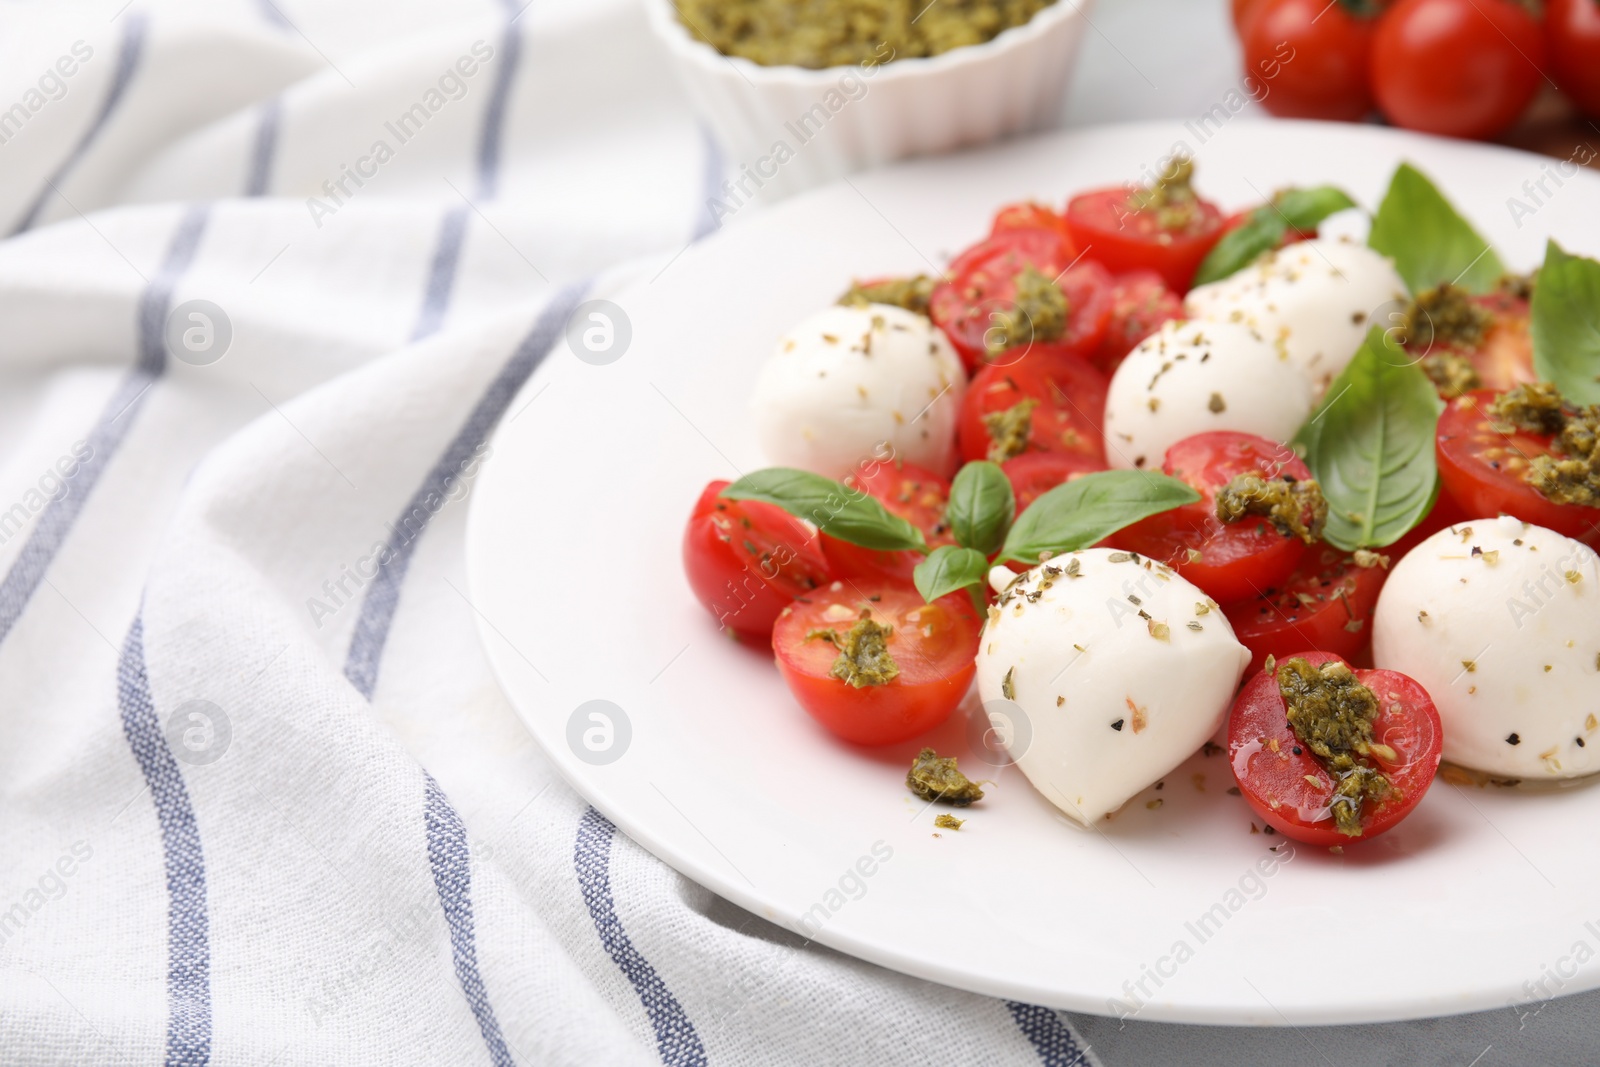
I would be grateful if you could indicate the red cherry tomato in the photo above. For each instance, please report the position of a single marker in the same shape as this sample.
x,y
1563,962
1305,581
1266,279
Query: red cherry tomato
x,y
1310,57
1462,68
1029,215
1326,604
1034,474
1110,227
1483,471
1069,403
747,560
1140,303
982,287
919,496
1235,560
934,645
1572,45
1242,12
1504,358
1287,784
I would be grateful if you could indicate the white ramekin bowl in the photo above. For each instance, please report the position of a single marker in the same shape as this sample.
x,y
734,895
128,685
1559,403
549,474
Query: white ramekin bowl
x,y
835,121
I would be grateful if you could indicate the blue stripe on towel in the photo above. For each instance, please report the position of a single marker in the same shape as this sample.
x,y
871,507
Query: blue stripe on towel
x,y
383,592
119,415
1051,1038
494,116
676,1038
188,928
441,273
258,173
451,862
133,36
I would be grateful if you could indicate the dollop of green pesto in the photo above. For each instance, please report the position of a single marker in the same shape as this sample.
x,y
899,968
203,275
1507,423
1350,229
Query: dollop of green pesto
x,y
1295,508
1446,314
836,33
1572,475
1451,373
863,658
1038,313
1009,429
947,822
909,293
1171,196
1332,715
934,778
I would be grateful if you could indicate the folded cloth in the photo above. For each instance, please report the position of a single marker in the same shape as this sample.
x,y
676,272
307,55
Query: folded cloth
x,y
274,274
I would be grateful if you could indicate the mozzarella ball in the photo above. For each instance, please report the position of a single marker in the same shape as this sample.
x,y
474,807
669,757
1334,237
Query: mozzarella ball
x,y
1194,377
1314,300
1105,671
1500,623
848,379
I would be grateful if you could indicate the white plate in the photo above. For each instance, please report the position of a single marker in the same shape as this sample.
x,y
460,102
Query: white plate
x,y
573,554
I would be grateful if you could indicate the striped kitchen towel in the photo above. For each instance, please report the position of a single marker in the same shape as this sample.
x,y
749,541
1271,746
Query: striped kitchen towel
x,y
272,271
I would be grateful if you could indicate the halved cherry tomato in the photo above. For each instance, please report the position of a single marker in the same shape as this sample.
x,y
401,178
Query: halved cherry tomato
x,y
1326,604
1140,303
1503,359
1484,471
1034,474
919,496
747,560
935,647
1310,57
1461,68
1029,215
982,287
1108,225
1228,561
1288,785
1572,41
1068,403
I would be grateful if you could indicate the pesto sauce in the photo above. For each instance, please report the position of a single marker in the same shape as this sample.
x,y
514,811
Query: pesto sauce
x,y
863,658
909,293
837,33
1171,196
1009,429
1038,313
1332,714
933,778
1451,373
1573,475
1295,508
1446,314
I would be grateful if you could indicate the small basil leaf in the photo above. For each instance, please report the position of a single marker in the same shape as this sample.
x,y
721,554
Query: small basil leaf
x,y
1429,241
981,506
947,569
1264,228
1079,513
1371,446
837,510
1565,325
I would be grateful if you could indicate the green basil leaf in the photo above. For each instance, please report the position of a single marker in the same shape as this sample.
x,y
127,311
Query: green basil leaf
x,y
1565,325
981,506
1264,227
947,569
837,510
1370,444
1429,241
1079,513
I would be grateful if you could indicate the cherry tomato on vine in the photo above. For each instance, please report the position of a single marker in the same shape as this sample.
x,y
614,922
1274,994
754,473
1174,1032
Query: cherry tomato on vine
x,y
1461,68
1288,785
1310,58
747,560
933,650
1572,45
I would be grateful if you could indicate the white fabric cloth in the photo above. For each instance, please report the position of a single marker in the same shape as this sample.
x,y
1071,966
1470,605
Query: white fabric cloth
x,y
261,799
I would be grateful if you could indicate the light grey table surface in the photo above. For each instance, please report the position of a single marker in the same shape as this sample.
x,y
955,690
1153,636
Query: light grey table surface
x,y
1128,73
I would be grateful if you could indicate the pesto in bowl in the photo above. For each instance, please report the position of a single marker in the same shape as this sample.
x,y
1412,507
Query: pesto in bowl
x,y
817,34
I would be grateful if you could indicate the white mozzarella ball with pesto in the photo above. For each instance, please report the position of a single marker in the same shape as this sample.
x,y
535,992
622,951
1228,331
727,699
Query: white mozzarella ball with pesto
x,y
1500,622
1313,300
1196,377
849,379
1112,670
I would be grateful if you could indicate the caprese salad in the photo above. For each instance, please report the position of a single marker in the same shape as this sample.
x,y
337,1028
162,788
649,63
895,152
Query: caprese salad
x,y
1142,470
